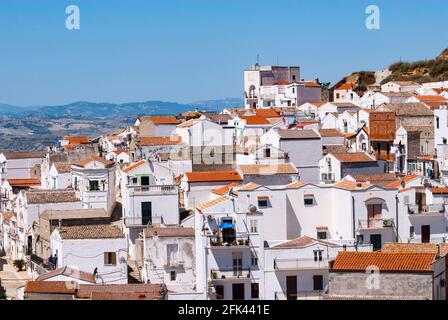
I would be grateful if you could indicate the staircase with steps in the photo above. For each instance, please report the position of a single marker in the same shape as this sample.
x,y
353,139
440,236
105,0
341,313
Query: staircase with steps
x,y
134,274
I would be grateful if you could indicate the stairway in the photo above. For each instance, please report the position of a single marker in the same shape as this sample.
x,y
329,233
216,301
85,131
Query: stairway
x,y
134,275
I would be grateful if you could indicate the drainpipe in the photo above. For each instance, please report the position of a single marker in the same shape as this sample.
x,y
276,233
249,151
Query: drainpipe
x,y
396,216
353,216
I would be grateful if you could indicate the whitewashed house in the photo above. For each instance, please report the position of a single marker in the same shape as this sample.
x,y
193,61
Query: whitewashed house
x,y
400,86
201,132
19,165
118,156
100,249
346,93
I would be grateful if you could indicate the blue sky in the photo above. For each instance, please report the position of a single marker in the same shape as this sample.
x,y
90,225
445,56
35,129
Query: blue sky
x,y
188,50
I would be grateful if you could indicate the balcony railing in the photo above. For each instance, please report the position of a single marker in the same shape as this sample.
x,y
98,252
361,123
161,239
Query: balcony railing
x,y
235,272
152,190
142,221
433,239
430,209
301,264
239,240
301,295
375,223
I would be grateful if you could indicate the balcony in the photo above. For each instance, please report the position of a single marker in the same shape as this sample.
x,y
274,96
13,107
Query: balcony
x,y
138,190
230,273
301,295
177,264
241,241
427,210
432,239
300,264
142,222
375,224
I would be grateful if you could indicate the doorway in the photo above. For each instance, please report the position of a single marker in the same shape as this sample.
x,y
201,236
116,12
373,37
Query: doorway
x,y
375,240
238,291
426,233
291,287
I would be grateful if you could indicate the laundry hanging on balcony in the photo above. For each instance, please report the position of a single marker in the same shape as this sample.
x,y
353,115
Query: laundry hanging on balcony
x,y
226,225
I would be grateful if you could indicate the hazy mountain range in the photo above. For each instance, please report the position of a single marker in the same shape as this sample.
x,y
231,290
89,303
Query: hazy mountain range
x,y
87,109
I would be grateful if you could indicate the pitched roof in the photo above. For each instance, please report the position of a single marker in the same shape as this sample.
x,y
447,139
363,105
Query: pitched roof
x,y
351,185
298,134
249,187
125,296
431,98
267,113
211,176
156,141
85,290
68,272
223,190
189,123
439,190
24,182
309,83
135,165
384,261
74,214
268,169
76,139
100,231
211,203
351,157
416,248
160,119
380,179
51,196
330,133
346,86
55,287
405,179
412,109
169,232
405,83
418,128
23,155
63,167
7,215
254,120
301,242
295,184
87,160
318,103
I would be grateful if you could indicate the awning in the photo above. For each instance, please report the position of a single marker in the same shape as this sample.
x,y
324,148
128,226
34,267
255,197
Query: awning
x,y
226,225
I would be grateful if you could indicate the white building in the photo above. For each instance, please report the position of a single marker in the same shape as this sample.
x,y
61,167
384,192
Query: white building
x,y
169,257
400,86
346,93
100,249
19,165
93,179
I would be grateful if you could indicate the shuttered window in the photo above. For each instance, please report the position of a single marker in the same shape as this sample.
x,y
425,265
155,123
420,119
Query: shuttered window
x,y
110,258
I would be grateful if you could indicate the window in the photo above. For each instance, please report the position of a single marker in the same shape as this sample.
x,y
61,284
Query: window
x,y
444,140
411,232
318,282
308,200
75,183
254,260
145,181
110,258
263,202
253,226
360,239
173,275
293,90
337,95
293,78
254,291
317,255
94,185
322,235
267,153
437,122
134,180
171,253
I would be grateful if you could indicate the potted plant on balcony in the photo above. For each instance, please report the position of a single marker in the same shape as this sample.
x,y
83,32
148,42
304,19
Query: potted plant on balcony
x,y
223,276
246,242
19,264
241,242
214,275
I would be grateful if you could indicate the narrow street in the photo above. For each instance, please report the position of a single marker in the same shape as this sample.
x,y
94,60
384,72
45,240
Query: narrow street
x,y
10,278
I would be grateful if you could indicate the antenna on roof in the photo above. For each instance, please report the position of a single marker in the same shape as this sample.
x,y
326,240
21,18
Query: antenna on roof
x,y
258,58
278,61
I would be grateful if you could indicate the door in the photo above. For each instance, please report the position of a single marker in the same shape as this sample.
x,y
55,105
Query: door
x,y
373,213
237,258
219,292
291,287
238,291
375,240
146,213
318,282
426,234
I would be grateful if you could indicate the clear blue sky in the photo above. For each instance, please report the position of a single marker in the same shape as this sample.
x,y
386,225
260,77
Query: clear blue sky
x,y
188,50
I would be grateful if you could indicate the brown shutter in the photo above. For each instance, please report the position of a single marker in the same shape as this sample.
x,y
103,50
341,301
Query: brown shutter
x,y
114,258
105,258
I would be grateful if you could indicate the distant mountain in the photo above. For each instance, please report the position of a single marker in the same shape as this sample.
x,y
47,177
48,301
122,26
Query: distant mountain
x,y
85,109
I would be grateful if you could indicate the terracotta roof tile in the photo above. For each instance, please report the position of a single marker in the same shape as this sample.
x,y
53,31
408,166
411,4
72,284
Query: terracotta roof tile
x,y
430,98
169,232
384,261
24,182
76,139
353,157
255,120
55,287
156,141
85,161
223,190
23,155
249,187
212,176
135,165
295,185
69,272
266,113
301,242
85,290
330,133
63,167
298,134
351,185
160,119
439,190
211,203
403,180
268,169
416,248
346,86
100,231
51,196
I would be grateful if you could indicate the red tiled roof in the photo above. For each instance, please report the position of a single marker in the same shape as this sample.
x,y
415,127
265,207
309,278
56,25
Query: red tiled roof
x,y
85,290
61,287
353,157
384,261
24,182
431,98
398,182
268,169
310,84
68,272
330,133
211,176
254,120
169,232
301,242
135,165
155,141
295,184
441,248
83,162
160,119
318,103
125,296
346,86
211,203
439,190
73,140
266,113
223,190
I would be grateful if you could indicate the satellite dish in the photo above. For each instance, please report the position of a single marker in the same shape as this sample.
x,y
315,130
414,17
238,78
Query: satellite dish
x,y
252,208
